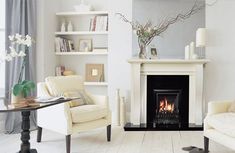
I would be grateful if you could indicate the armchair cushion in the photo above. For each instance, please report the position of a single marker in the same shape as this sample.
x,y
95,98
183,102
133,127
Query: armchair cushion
x,y
86,113
57,86
84,98
223,122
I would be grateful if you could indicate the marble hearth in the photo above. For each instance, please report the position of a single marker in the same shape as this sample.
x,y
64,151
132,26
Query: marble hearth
x,y
142,68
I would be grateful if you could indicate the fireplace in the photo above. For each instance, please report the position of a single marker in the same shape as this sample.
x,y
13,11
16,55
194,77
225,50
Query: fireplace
x,y
167,102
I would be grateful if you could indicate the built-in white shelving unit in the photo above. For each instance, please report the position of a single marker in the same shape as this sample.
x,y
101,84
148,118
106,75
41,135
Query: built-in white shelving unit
x,y
77,60
81,53
82,33
82,13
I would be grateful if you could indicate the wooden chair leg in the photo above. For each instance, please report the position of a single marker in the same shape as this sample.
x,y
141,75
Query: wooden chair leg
x,y
68,143
206,144
39,134
108,132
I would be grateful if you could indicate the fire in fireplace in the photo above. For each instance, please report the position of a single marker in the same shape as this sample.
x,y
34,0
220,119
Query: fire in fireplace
x,y
167,107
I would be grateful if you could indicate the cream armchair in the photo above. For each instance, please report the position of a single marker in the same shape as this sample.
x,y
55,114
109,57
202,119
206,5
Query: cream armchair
x,y
219,125
69,120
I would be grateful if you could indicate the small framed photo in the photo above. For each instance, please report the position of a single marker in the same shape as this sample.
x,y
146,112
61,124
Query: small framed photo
x,y
95,72
85,45
153,52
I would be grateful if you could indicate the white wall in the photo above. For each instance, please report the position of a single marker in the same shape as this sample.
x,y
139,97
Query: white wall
x,y
46,22
172,42
120,49
220,72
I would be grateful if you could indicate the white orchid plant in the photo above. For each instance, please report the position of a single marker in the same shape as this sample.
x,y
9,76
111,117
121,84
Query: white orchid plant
x,y
18,49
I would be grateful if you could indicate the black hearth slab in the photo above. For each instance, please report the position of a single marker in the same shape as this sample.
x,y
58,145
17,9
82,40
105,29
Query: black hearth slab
x,y
144,127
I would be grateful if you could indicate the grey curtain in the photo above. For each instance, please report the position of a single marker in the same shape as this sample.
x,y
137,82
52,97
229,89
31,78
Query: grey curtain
x,y
20,18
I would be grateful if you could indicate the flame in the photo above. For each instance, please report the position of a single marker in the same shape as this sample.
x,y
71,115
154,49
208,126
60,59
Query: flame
x,y
166,106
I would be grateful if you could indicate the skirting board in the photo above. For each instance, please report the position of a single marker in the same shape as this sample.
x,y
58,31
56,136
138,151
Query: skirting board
x,y
2,126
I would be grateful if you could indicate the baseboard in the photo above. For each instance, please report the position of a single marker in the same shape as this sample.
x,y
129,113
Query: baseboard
x,y
2,126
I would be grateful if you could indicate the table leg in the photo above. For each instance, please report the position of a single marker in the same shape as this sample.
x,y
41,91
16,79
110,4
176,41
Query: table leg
x,y
25,134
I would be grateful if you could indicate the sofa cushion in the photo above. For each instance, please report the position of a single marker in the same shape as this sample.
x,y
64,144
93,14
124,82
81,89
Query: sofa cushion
x,y
223,122
86,113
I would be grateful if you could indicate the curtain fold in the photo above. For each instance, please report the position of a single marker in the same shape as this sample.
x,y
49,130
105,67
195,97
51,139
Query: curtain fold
x,y
20,18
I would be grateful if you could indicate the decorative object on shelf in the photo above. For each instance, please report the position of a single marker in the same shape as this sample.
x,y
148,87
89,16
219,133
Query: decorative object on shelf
x,y
63,27
153,53
201,41
118,106
148,31
70,26
85,45
187,52
122,111
192,49
82,7
99,23
68,72
193,55
59,70
23,87
95,72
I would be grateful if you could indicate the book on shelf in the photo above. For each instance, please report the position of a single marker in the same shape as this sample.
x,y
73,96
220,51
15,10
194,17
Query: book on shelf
x,y
63,45
59,70
99,23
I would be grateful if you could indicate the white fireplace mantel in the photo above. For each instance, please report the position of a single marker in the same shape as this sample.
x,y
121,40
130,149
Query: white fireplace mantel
x,y
141,68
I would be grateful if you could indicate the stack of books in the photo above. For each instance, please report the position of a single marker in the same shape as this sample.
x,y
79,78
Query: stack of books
x,y
63,45
99,23
59,70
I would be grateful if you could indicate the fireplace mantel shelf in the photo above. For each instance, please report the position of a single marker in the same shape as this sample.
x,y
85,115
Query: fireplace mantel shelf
x,y
167,61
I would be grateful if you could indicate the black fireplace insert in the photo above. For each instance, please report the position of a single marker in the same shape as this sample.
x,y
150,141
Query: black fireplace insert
x,y
168,102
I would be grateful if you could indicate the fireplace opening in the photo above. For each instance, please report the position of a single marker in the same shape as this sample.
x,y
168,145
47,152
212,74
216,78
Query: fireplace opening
x,y
167,102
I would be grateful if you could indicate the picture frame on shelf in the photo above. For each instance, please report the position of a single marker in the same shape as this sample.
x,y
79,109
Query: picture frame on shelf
x,y
95,72
85,45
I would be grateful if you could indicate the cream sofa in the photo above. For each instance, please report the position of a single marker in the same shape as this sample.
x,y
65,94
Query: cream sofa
x,y
219,125
69,120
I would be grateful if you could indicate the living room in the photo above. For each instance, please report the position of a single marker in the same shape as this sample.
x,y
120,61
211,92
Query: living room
x,y
123,76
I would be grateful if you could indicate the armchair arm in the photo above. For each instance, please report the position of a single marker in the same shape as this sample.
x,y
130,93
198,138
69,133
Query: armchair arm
x,y
99,100
56,118
216,107
42,90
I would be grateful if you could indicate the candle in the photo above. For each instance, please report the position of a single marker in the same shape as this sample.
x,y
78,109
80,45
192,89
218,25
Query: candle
x,y
192,49
187,52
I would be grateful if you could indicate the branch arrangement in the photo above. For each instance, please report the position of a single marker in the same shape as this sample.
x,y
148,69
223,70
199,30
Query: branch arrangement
x,y
148,31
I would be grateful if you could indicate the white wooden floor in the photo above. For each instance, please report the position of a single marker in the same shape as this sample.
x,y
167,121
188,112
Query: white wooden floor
x,y
122,142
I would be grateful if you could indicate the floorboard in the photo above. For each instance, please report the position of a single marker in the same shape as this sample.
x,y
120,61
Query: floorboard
x,y
122,142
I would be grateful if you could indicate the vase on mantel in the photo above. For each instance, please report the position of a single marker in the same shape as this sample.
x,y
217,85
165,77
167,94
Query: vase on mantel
x,y
143,51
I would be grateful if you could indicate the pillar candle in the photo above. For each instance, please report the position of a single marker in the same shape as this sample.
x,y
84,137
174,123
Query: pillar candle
x,y
187,52
192,49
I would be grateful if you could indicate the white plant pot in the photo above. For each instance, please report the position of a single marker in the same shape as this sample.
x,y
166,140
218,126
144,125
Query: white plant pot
x,y
16,99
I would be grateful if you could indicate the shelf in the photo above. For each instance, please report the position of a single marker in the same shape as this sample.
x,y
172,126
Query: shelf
x,y
82,13
82,33
95,83
81,53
